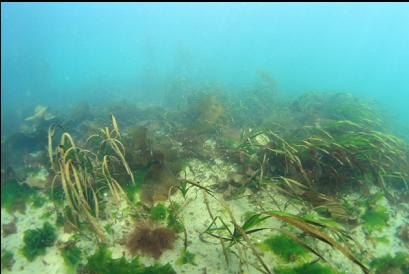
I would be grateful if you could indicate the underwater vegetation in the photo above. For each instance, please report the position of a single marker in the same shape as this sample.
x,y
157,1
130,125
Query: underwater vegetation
x,y
149,240
206,111
276,186
398,263
285,247
103,263
308,268
71,254
7,259
186,257
158,212
339,106
335,156
375,218
158,181
37,240
14,196
80,173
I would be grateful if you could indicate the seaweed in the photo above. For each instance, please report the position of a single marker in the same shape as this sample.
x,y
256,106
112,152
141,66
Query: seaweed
x,y
101,262
7,259
151,241
186,257
375,218
72,254
37,240
235,235
173,220
14,195
157,183
206,110
38,200
158,212
59,221
335,106
308,268
399,263
184,188
333,156
132,190
108,229
313,228
80,172
139,145
285,247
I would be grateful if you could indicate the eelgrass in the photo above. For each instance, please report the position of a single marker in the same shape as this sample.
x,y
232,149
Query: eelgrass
x,y
81,172
333,156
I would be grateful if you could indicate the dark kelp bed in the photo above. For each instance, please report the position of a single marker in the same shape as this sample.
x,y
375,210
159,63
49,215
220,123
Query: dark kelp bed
x,y
207,182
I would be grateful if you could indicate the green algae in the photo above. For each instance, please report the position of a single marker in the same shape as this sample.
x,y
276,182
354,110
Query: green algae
x,y
101,262
14,195
399,263
186,257
375,218
309,268
285,247
7,259
158,212
37,240
71,254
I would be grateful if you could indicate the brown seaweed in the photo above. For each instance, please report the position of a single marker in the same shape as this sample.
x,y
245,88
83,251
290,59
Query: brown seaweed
x,y
151,241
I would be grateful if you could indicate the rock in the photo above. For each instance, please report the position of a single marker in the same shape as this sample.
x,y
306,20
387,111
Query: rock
x,y
9,228
37,179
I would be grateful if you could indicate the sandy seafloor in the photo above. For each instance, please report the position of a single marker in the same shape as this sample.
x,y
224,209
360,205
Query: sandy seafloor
x,y
209,256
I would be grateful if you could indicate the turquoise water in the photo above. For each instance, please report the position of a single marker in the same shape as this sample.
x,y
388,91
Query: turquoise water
x,y
62,53
167,138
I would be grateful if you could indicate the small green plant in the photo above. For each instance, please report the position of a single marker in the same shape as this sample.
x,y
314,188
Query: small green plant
x,y
132,190
308,268
60,219
158,212
234,235
7,259
186,257
101,262
38,200
37,240
108,229
375,218
285,247
388,263
71,254
184,188
174,221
